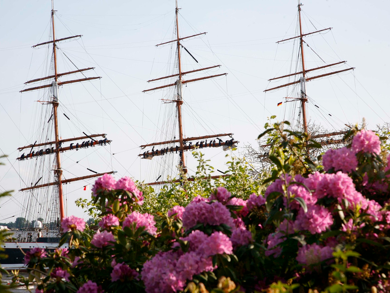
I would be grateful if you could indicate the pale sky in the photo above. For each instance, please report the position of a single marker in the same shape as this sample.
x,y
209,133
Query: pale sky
x,y
119,39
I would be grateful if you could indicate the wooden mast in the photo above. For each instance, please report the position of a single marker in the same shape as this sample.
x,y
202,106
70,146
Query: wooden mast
x,y
303,78
302,81
179,100
185,144
59,181
58,170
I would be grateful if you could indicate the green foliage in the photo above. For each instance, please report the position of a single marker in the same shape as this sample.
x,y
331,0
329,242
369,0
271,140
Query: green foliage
x,y
201,184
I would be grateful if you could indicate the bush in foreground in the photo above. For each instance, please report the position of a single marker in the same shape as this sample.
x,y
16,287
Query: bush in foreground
x,y
324,229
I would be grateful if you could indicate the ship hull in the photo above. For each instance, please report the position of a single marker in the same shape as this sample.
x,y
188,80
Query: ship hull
x,y
16,252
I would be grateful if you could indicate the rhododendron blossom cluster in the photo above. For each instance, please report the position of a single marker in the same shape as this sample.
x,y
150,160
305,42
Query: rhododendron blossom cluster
x,y
122,272
59,274
126,183
109,221
177,212
106,182
255,201
214,213
101,239
90,287
366,141
72,223
313,254
343,159
141,220
169,271
35,252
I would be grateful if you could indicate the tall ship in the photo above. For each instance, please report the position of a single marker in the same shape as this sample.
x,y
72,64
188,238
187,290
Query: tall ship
x,y
297,80
44,188
176,143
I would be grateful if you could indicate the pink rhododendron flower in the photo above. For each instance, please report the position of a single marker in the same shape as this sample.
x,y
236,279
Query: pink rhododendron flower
x,y
141,220
38,291
106,182
159,273
212,214
239,202
313,254
61,252
317,219
367,142
312,180
241,236
109,221
376,186
276,186
72,223
239,223
295,190
357,201
287,227
196,239
168,271
60,274
77,261
177,212
126,183
374,210
191,263
343,159
272,241
123,272
217,243
35,252
200,199
254,201
340,186
102,239
350,226
90,287
221,194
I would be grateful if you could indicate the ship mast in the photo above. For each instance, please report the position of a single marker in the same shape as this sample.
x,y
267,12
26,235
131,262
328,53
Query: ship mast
x,y
89,140
58,170
303,85
303,79
185,144
179,100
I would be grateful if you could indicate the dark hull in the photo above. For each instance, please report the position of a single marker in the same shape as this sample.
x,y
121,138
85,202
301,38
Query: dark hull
x,y
15,256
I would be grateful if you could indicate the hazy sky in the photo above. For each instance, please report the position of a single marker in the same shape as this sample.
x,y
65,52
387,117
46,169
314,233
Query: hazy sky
x,y
119,39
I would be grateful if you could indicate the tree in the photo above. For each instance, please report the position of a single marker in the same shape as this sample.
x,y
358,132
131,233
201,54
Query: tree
x,y
20,222
259,157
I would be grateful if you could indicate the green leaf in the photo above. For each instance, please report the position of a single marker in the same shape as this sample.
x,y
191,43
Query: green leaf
x,y
302,202
353,269
335,288
300,239
264,133
339,267
276,161
271,198
115,206
122,237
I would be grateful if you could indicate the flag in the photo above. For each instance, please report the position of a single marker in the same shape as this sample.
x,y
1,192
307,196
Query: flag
x,y
86,187
280,103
